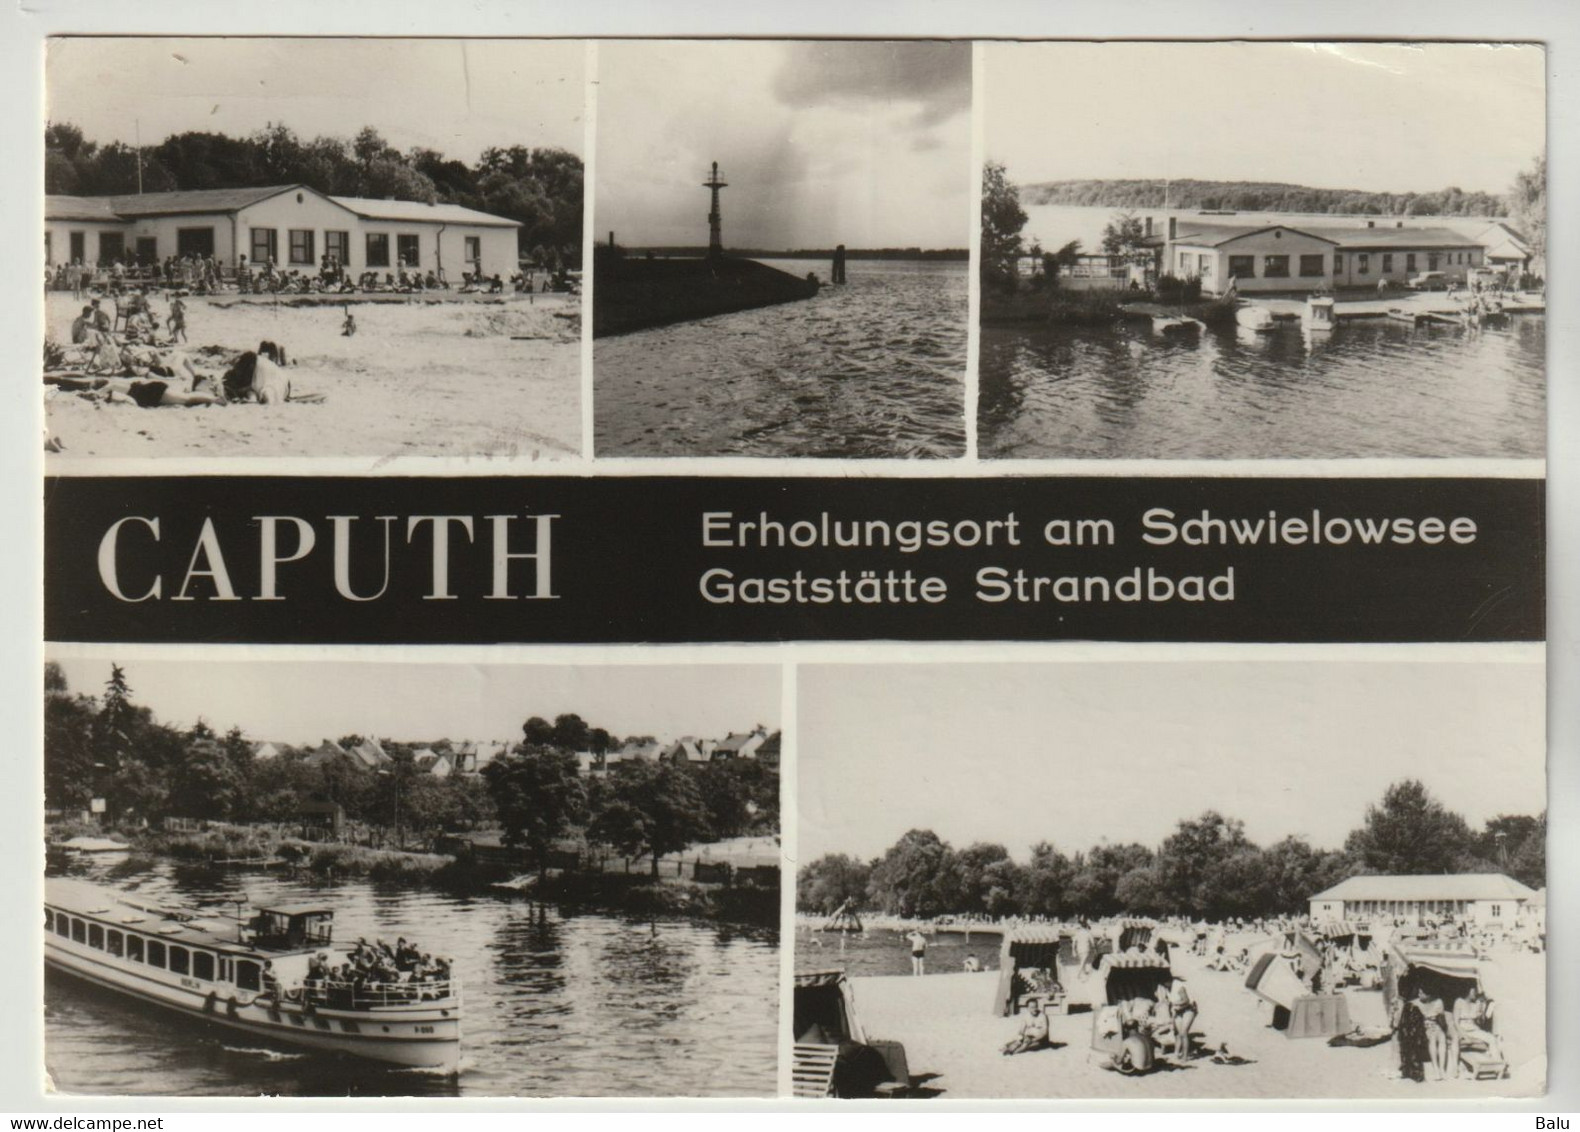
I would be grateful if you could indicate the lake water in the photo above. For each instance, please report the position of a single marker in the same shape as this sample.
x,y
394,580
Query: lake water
x,y
875,368
884,951
1370,388
554,1005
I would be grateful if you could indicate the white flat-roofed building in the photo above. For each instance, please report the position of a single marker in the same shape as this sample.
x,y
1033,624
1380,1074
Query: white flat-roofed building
x,y
293,225
1484,899
1280,258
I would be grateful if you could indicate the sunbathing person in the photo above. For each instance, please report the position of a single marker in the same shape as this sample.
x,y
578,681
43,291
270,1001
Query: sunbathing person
x,y
1473,1027
1033,1032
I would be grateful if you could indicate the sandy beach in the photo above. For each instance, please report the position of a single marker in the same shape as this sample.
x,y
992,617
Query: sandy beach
x,y
463,376
952,1041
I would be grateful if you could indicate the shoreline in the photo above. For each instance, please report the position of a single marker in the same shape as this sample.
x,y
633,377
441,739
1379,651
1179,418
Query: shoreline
x,y
628,894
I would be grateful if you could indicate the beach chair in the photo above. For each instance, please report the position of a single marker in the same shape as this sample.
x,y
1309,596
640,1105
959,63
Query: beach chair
x,y
899,1082
812,1070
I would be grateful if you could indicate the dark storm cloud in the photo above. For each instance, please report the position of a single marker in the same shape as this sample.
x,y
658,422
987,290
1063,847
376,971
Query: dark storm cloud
x,y
934,77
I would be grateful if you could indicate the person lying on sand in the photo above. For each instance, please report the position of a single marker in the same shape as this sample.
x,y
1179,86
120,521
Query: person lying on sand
x,y
1033,1031
151,393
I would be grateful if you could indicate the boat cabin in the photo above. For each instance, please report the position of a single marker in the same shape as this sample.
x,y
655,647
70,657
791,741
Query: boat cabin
x,y
292,927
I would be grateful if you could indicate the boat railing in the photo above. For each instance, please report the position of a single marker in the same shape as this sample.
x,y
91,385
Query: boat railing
x,y
367,996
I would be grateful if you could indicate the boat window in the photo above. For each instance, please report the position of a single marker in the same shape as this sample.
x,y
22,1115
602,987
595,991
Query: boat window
x,y
203,965
156,953
63,925
117,943
134,948
49,920
180,960
248,975
79,931
96,936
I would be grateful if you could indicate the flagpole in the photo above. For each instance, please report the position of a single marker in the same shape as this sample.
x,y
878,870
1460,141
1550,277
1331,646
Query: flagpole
x,y
137,126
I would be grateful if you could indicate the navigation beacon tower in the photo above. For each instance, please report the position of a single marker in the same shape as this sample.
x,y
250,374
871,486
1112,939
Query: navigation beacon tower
x,y
715,239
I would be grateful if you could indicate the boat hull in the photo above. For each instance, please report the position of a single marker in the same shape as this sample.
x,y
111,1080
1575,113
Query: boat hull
x,y
417,1038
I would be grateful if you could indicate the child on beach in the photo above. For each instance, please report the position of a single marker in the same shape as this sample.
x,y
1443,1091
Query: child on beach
x,y
178,321
348,328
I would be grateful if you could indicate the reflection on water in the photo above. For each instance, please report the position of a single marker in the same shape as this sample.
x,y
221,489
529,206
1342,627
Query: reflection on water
x,y
875,368
556,1004
1370,388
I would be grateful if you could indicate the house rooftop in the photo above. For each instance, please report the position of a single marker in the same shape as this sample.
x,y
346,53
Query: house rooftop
x,y
1385,235
1436,886
79,208
193,200
370,208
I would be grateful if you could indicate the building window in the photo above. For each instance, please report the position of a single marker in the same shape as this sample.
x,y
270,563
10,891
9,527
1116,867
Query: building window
x,y
112,246
180,960
302,246
337,246
195,242
378,249
1310,265
1497,911
265,245
1387,263
1409,261
79,247
1338,264
407,250
1363,264
203,966
1206,266
1184,265
474,250
1275,266
134,948
1433,261
1242,266
156,953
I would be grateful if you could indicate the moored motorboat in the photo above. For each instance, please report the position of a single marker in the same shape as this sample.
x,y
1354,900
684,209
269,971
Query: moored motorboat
x,y
273,975
1176,326
1254,318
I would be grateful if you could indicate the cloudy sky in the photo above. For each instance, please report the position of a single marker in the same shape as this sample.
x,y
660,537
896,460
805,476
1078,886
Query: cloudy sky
x,y
862,144
456,96
1077,752
297,701
1379,117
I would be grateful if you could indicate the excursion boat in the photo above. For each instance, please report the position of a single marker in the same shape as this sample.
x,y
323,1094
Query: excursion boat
x,y
248,974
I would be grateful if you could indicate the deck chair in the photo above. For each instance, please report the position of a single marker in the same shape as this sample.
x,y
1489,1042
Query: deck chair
x,y
1476,1055
812,1070
899,1082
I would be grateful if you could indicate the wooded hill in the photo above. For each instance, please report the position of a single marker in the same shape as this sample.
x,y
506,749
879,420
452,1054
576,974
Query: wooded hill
x,y
1261,196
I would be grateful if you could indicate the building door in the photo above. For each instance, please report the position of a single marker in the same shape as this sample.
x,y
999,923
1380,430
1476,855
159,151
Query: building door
x,y
194,241
112,246
79,247
147,250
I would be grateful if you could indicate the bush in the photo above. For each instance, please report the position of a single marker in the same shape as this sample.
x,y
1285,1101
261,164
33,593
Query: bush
x,y
1173,289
